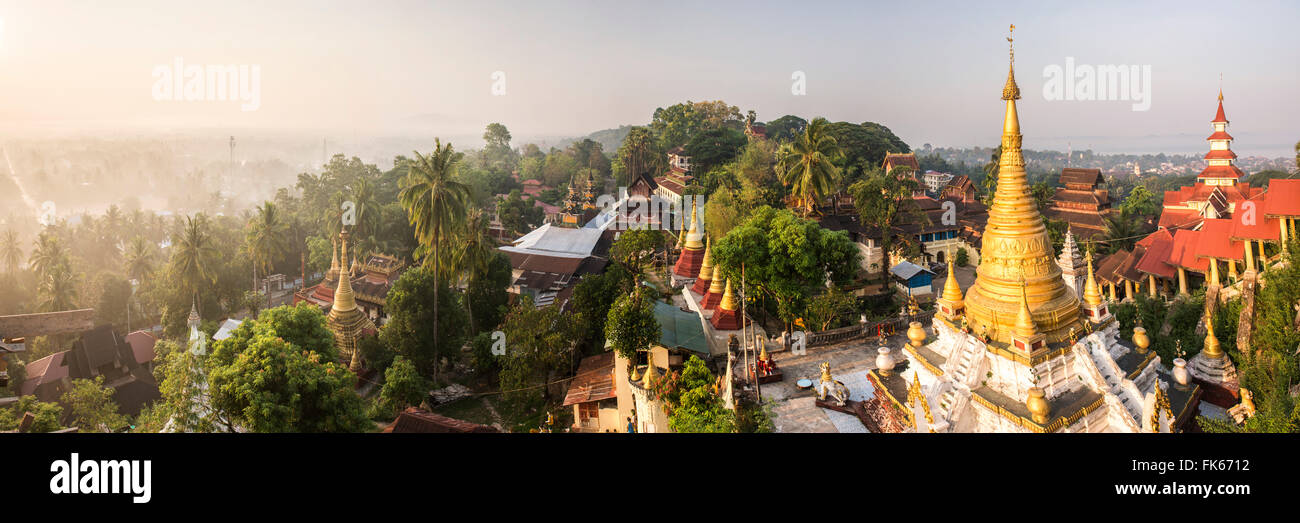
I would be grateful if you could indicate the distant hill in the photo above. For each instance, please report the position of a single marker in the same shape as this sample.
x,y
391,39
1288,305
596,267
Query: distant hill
x,y
609,139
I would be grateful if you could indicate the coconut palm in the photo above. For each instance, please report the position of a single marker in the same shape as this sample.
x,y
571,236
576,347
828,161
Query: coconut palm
x,y
806,164
472,252
434,201
991,174
194,259
58,289
139,258
49,253
267,241
1122,231
11,252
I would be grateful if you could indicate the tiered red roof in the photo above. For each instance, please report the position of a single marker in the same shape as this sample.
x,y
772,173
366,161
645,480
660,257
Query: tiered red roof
x,y
1184,251
1219,116
1158,244
1220,154
1216,241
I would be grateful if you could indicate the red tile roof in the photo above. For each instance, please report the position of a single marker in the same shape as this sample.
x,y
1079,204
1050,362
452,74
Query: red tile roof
x,y
1282,198
1219,117
1179,219
1221,171
1220,154
1263,229
1219,135
1158,245
1184,251
142,344
1216,241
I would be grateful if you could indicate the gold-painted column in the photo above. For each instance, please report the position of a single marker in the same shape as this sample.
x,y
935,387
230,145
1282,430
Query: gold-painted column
x,y
1182,281
1250,256
1151,285
1112,292
1214,273
1232,270
1263,258
1128,289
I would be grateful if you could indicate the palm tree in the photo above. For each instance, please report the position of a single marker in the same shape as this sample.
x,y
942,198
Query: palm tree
x,y
48,254
139,258
11,252
266,241
472,253
434,201
58,289
367,211
195,255
1122,231
806,164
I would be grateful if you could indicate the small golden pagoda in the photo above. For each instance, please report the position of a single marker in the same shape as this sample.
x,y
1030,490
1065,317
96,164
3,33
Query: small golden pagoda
x,y
705,278
692,255
950,303
726,317
716,286
345,319
1016,247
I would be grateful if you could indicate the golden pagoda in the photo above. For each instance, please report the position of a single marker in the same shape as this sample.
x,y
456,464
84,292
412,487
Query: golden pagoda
x,y
950,303
726,317
705,279
1016,247
716,286
345,320
692,255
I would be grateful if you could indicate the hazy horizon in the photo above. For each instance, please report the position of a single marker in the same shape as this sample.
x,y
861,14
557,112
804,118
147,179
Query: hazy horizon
x,y
931,72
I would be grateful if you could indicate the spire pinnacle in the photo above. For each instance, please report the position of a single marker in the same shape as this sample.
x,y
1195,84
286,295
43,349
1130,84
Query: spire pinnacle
x,y
1025,320
1091,291
344,299
951,290
1011,91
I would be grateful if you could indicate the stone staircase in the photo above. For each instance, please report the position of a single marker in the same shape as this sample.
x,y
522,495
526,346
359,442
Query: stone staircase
x,y
1115,378
962,369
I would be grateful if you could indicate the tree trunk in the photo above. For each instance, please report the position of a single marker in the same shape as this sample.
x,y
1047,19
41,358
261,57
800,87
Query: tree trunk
x,y
436,362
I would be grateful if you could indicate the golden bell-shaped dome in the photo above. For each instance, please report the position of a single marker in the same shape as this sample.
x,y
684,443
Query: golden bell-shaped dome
x,y
716,285
706,268
951,290
728,299
1091,291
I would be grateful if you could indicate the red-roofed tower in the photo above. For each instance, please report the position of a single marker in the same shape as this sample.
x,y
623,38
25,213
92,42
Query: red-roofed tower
x,y
1220,170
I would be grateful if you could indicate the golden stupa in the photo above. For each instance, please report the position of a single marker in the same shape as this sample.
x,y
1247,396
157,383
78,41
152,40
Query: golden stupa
x,y
1016,248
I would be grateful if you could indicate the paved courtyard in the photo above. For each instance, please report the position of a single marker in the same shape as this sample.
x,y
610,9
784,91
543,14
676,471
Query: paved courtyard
x,y
794,409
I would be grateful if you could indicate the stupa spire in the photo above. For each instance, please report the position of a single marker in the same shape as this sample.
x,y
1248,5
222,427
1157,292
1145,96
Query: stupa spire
x,y
1025,319
344,299
1017,248
1091,291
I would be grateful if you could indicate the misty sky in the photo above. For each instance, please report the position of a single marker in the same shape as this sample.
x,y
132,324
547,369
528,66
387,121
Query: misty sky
x,y
932,72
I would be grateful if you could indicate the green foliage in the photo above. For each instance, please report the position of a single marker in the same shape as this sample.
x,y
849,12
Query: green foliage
x,y
1141,202
808,165
785,128
963,257
46,415
275,386
864,146
411,312
639,154
885,199
91,407
784,257
631,325
591,302
403,386
826,308
636,246
714,147
302,325
539,342
677,124
693,404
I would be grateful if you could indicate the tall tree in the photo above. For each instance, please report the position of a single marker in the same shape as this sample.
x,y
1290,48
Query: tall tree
x,y
990,185
195,257
58,289
11,252
884,200
91,406
806,164
434,203
139,258
631,325
48,254
267,241
639,154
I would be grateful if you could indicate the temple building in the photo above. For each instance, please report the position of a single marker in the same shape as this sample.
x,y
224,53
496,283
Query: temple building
x,y
580,204
1082,200
370,281
1216,231
672,185
1021,351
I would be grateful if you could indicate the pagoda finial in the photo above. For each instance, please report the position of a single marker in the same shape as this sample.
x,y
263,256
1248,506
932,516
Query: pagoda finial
x,y
650,374
1025,320
693,235
1011,91
1091,291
